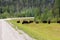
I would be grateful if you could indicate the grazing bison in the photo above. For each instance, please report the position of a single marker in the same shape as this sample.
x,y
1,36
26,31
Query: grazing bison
x,y
58,21
18,21
25,22
36,22
44,21
48,22
30,21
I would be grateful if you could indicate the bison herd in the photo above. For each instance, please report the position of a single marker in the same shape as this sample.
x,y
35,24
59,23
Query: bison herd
x,y
31,21
25,21
46,22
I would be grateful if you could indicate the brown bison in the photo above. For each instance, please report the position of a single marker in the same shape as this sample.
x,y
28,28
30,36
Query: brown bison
x,y
44,21
25,22
36,22
30,21
58,21
49,22
18,21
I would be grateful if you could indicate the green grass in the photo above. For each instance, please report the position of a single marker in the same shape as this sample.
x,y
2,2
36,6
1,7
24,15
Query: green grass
x,y
40,31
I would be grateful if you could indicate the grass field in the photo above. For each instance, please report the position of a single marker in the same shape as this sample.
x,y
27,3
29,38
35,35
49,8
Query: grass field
x,y
40,31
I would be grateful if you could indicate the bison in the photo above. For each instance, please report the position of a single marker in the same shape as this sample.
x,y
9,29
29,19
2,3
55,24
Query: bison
x,y
30,21
25,22
58,21
49,22
18,21
36,22
44,21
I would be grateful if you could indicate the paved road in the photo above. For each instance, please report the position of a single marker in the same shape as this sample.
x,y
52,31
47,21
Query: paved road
x,y
9,33
0,30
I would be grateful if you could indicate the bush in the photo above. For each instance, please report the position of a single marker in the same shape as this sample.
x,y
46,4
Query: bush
x,y
54,20
5,15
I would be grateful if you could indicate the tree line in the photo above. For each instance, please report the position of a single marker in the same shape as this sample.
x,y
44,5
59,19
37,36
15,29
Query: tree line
x,y
40,9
